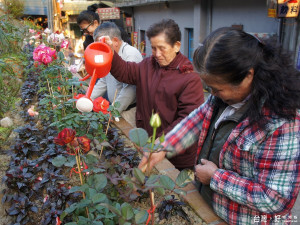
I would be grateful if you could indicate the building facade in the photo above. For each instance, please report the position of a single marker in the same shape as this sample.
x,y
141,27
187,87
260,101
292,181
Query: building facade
x,y
197,18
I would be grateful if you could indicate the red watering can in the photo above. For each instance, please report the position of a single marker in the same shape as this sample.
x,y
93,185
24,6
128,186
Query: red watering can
x,y
98,57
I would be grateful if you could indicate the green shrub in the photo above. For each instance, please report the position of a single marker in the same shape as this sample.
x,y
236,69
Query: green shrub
x,y
11,36
9,88
14,7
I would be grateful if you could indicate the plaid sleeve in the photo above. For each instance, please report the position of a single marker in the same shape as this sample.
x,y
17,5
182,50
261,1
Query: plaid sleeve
x,y
186,132
275,181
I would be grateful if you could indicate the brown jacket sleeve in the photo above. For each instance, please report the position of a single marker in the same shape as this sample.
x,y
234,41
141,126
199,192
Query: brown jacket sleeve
x,y
126,72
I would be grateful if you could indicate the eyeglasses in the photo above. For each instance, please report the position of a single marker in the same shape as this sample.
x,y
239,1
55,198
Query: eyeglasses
x,y
85,29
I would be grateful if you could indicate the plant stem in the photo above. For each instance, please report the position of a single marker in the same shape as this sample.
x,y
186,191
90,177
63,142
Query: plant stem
x,y
153,137
108,122
49,88
148,174
152,206
152,146
78,162
79,168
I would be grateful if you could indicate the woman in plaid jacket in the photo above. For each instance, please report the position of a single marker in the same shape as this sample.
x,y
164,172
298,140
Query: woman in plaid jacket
x,y
248,131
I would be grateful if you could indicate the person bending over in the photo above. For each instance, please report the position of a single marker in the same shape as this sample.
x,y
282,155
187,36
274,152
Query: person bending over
x,y
126,93
248,131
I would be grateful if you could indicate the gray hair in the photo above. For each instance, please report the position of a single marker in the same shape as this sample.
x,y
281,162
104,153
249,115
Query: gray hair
x,y
107,29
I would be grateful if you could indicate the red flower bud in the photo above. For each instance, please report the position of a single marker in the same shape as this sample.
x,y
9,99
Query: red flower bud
x,y
84,143
58,222
78,96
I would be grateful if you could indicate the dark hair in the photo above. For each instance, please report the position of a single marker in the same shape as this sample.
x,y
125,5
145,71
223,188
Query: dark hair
x,y
124,35
89,15
231,53
107,28
168,27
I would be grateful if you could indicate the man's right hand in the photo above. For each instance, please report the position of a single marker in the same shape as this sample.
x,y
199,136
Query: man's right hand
x,y
156,157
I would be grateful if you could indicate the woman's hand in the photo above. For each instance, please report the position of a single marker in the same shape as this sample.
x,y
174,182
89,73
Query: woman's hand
x,y
205,171
106,40
156,157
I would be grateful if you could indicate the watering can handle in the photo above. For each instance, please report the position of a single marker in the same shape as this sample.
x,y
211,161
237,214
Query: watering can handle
x,y
85,78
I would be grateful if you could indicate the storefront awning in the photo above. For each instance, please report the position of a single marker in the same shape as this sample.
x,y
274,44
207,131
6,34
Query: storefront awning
x,y
75,7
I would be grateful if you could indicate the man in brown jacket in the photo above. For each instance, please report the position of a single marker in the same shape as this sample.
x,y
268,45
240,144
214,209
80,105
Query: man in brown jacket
x,y
165,84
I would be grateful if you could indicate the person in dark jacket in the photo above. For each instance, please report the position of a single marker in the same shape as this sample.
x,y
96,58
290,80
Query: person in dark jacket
x,y
165,84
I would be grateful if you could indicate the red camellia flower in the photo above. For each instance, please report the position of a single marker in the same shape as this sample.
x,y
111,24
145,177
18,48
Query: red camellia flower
x,y
65,136
84,143
100,104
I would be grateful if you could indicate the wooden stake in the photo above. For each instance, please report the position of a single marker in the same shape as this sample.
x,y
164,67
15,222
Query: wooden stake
x,y
108,122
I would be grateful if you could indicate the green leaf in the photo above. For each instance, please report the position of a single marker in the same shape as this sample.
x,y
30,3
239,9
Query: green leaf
x,y
98,170
59,161
72,223
91,159
71,161
162,138
105,144
97,223
84,203
61,55
160,191
100,197
183,178
100,181
79,188
111,208
72,207
139,136
152,179
138,174
94,125
63,215
141,217
127,211
117,104
99,207
167,182
90,192
180,192
83,220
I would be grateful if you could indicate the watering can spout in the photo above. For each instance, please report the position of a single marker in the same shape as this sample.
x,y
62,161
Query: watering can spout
x,y
98,57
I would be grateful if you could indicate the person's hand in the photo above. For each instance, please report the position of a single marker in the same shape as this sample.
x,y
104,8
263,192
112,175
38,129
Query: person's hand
x,y
205,171
156,157
107,41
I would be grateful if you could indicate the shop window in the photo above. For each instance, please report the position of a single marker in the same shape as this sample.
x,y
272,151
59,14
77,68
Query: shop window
x,y
76,29
189,42
142,44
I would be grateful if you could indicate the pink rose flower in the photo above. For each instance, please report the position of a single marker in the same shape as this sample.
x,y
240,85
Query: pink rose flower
x,y
73,69
64,44
44,54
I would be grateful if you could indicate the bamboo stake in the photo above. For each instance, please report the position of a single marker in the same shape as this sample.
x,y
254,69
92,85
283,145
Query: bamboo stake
x,y
49,87
108,122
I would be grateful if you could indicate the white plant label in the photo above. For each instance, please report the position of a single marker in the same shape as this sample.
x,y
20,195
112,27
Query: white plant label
x,y
99,59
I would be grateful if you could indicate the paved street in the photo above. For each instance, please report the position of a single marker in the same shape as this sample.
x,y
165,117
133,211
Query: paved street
x,y
296,210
